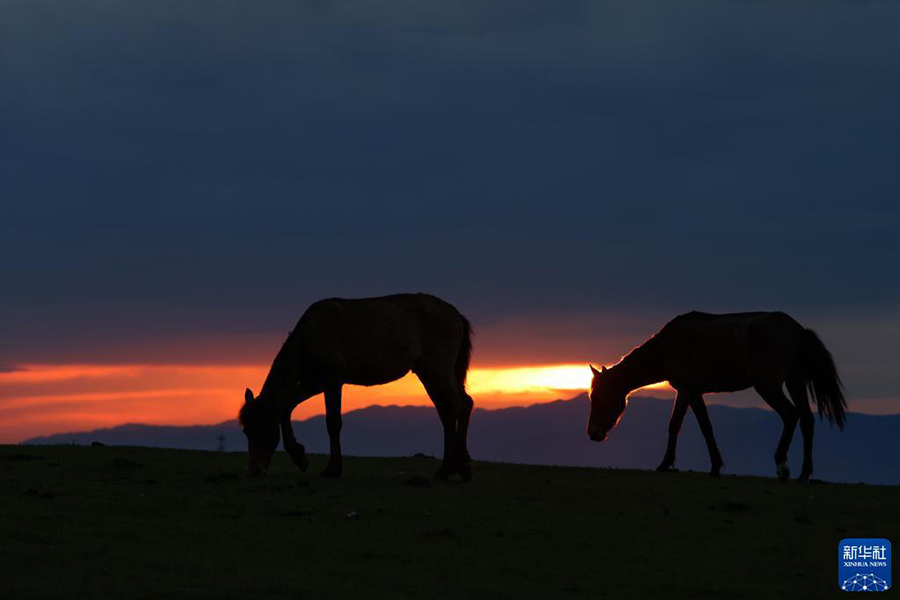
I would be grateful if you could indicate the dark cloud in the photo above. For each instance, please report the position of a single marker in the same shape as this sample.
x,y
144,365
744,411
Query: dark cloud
x,y
176,170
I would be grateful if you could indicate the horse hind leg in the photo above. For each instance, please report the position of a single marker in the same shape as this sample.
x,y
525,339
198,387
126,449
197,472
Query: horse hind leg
x,y
462,429
798,393
333,423
445,398
781,405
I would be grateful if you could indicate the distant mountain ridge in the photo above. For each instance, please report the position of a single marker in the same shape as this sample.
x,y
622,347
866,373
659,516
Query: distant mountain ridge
x,y
554,434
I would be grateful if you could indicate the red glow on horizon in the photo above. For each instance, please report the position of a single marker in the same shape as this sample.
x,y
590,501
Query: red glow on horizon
x,y
44,399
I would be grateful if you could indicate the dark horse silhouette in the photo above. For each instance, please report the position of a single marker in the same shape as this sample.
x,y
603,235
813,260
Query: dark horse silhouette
x,y
367,341
699,353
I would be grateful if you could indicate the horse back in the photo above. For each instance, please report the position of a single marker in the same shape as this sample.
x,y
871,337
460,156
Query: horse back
x,y
370,341
730,352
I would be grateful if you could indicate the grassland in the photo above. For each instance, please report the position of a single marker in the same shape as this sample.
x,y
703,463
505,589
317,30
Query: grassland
x,y
102,522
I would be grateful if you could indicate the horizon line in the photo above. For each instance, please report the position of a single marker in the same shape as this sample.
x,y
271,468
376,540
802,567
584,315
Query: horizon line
x,y
423,407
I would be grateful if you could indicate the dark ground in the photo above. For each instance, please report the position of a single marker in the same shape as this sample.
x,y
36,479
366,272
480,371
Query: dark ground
x,y
109,522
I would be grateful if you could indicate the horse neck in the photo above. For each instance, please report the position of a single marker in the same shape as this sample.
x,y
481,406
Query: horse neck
x,y
273,394
642,366
281,380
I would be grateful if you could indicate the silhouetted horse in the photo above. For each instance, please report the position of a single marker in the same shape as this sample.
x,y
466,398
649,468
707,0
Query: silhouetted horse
x,y
698,353
368,341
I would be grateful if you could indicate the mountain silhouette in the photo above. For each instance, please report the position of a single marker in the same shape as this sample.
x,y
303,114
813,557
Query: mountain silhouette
x,y
554,434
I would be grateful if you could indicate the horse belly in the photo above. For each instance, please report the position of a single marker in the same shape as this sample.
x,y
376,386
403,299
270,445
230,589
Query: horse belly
x,y
726,385
378,376
712,368
382,362
728,353
373,341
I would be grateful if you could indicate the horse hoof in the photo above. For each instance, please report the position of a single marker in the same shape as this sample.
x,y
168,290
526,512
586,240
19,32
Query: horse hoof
x,y
443,473
298,454
803,479
465,471
783,472
715,474
301,461
331,472
664,468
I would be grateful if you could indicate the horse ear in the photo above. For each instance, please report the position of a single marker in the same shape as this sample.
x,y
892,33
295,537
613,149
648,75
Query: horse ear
x,y
603,369
248,396
594,371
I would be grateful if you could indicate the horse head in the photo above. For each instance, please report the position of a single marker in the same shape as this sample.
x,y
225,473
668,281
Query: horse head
x,y
260,425
608,400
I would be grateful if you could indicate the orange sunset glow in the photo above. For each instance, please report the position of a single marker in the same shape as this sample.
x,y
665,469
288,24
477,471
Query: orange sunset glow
x,y
44,399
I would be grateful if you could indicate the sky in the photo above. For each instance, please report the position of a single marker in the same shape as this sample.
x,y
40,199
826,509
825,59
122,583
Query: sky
x,y
180,180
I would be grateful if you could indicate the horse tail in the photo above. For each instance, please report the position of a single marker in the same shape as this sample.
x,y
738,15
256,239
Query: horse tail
x,y
465,353
821,378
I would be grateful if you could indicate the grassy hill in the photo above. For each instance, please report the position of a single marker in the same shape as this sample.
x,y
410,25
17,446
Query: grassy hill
x,y
108,522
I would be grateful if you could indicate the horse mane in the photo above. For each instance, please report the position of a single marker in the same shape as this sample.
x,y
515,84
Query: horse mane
x,y
640,364
639,353
283,359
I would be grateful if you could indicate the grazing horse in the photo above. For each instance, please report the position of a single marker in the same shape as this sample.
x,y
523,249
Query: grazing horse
x,y
700,353
367,341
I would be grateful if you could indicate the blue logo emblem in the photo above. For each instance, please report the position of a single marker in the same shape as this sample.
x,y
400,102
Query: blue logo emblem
x,y
864,565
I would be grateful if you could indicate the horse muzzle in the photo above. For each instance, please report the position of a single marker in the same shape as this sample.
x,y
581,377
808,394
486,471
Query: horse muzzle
x,y
596,435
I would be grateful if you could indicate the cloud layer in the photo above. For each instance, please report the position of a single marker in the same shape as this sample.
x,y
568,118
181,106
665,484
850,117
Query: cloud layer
x,y
180,180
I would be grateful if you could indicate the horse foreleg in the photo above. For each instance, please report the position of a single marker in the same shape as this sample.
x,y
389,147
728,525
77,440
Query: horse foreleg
x,y
675,421
333,422
294,448
699,408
